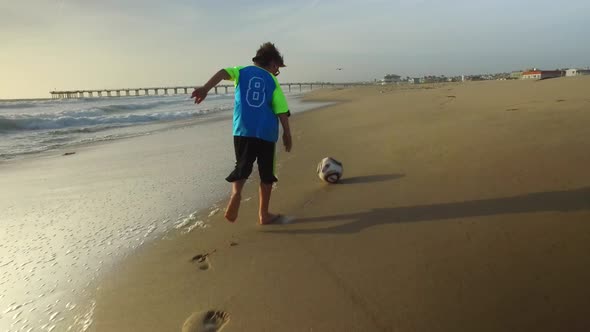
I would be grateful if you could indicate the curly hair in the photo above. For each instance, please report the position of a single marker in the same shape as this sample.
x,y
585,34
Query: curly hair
x,y
268,53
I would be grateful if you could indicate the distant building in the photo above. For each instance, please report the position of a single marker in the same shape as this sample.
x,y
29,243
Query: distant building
x,y
577,72
541,74
413,80
516,75
391,79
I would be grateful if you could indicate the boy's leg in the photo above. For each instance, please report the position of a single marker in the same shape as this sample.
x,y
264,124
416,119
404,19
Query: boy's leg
x,y
233,206
245,156
265,217
266,164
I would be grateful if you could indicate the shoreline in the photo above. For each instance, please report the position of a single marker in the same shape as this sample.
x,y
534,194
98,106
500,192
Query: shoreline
x,y
95,208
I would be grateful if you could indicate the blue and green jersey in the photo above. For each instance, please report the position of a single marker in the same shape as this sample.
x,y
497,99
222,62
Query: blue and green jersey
x,y
258,100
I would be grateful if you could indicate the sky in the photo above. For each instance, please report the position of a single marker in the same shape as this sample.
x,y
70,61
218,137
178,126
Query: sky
x,y
50,45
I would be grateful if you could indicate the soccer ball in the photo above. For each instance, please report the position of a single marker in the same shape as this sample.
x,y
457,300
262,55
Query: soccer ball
x,y
330,170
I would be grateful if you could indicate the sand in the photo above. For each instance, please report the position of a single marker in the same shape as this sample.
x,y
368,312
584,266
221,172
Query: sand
x,y
463,207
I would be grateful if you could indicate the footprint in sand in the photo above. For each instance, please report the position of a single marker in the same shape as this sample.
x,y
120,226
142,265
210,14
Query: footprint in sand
x,y
210,321
202,261
449,99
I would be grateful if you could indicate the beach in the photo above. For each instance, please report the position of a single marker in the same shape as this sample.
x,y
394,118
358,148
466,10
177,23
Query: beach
x,y
463,207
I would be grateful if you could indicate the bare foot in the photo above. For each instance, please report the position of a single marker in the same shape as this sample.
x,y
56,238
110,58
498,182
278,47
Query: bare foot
x,y
233,207
269,219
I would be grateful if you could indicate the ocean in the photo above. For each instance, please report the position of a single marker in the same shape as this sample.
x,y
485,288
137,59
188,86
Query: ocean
x,y
32,126
64,220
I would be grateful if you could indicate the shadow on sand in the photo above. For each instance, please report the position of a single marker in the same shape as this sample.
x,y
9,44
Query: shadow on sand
x,y
561,201
370,178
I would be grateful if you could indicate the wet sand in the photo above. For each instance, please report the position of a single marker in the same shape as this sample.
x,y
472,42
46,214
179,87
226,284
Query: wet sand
x,y
463,207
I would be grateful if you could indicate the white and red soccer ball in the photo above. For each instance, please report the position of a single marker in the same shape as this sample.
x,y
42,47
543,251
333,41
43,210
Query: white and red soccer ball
x,y
330,170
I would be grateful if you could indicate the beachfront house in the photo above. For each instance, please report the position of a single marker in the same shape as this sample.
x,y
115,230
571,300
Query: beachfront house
x,y
541,74
390,78
577,72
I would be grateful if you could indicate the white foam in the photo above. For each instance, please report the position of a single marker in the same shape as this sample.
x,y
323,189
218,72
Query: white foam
x,y
197,224
213,212
12,308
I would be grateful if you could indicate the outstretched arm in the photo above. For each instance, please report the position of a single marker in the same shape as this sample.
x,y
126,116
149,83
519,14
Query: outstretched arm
x,y
201,92
284,118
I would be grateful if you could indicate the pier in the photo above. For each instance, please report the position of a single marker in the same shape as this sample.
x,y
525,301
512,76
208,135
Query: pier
x,y
155,91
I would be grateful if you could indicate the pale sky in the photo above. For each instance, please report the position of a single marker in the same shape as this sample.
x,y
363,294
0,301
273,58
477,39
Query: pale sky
x,y
89,44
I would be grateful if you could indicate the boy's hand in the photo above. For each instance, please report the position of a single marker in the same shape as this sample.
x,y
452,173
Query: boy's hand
x,y
199,94
287,142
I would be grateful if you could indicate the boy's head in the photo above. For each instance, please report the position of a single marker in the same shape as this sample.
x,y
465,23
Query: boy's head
x,y
269,58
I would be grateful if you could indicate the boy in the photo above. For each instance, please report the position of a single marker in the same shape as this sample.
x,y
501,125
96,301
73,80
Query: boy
x,y
259,106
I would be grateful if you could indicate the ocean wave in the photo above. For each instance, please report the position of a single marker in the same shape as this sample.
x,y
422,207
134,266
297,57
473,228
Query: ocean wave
x,y
89,119
7,125
118,104
39,125
13,105
116,108
28,103
83,130
55,143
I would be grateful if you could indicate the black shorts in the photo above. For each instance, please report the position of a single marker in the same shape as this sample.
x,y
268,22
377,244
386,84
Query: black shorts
x,y
249,149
